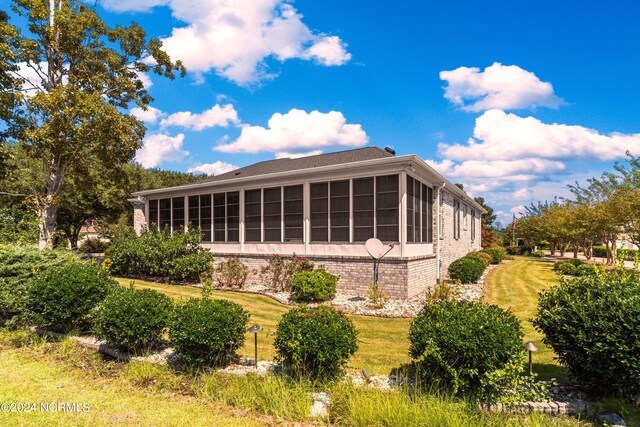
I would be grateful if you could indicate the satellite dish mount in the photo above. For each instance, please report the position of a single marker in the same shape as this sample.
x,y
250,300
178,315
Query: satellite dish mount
x,y
377,250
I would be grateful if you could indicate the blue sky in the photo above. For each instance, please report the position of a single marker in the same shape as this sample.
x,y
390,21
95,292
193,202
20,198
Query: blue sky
x,y
547,90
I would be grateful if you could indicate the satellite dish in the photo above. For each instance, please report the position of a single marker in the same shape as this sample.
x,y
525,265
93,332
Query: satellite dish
x,y
375,248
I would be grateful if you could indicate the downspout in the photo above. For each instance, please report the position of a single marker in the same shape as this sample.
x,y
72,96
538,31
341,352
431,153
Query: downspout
x,y
438,225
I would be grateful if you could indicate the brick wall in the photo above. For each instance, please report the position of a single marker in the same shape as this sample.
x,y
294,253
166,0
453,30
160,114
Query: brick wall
x,y
139,217
399,278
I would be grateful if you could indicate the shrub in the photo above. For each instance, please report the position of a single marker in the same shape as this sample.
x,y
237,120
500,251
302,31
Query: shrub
x,y
18,264
315,341
497,254
205,330
279,272
133,319
177,257
593,325
482,256
93,245
565,268
514,250
66,297
575,262
231,274
461,345
313,286
466,269
377,296
599,251
538,254
442,291
586,270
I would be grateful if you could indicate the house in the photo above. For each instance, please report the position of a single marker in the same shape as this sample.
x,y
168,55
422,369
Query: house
x,y
325,207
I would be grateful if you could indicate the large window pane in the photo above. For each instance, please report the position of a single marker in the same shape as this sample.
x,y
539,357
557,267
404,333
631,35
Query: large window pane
x,y
410,210
165,213
178,214
363,209
339,203
219,217
272,214
252,216
456,219
387,212
233,216
205,217
320,212
193,220
473,224
153,215
293,213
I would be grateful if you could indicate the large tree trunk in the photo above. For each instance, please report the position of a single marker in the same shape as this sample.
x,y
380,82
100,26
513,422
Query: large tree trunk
x,y
47,219
552,248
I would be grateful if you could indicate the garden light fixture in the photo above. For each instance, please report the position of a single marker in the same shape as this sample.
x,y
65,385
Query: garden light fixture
x,y
254,330
531,347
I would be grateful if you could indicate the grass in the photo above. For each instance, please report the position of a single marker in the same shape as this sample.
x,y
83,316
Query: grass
x,y
515,286
383,342
35,374
142,394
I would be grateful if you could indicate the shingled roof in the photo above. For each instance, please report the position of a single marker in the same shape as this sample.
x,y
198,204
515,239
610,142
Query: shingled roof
x,y
288,164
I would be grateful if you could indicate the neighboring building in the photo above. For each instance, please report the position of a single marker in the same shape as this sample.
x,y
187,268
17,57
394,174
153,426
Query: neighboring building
x,y
324,208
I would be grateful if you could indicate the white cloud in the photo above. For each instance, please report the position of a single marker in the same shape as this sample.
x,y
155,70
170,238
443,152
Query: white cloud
x,y
146,80
298,130
151,115
215,168
236,37
284,154
497,168
215,116
158,148
498,86
500,136
522,194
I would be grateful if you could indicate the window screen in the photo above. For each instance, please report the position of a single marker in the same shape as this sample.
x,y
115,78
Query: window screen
x,y
219,217
193,220
363,209
293,213
165,214
272,214
387,212
410,210
252,215
233,216
178,214
339,211
320,212
473,224
153,215
205,217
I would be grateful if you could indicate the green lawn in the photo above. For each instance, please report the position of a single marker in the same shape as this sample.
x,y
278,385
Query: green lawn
x,y
383,343
515,285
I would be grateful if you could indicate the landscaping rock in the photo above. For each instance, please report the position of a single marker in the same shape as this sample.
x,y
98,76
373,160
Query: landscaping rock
x,y
612,419
319,408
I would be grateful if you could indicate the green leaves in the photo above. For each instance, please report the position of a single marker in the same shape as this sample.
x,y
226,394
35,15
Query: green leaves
x,y
313,286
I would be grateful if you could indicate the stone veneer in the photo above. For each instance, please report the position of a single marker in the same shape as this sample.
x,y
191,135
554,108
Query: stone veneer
x,y
399,277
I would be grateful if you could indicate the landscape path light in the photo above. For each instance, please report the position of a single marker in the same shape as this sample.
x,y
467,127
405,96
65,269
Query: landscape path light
x,y
531,347
254,330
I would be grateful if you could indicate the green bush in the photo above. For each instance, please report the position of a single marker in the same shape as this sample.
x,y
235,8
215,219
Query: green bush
x,y
538,254
593,325
315,341
205,330
482,256
93,245
18,264
133,319
575,262
586,270
466,269
599,251
566,268
514,250
178,257
461,345
66,297
279,272
231,274
497,254
313,286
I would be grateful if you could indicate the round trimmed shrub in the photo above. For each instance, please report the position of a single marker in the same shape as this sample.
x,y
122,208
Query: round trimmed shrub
x,y
133,319
575,262
593,325
315,341
66,297
497,254
205,330
587,270
565,268
482,256
313,286
466,269
460,345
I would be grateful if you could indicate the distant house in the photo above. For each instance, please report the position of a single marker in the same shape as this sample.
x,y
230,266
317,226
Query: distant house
x,y
325,207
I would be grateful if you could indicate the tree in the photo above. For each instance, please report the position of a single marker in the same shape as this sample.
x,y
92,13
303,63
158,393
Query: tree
x,y
72,114
487,233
